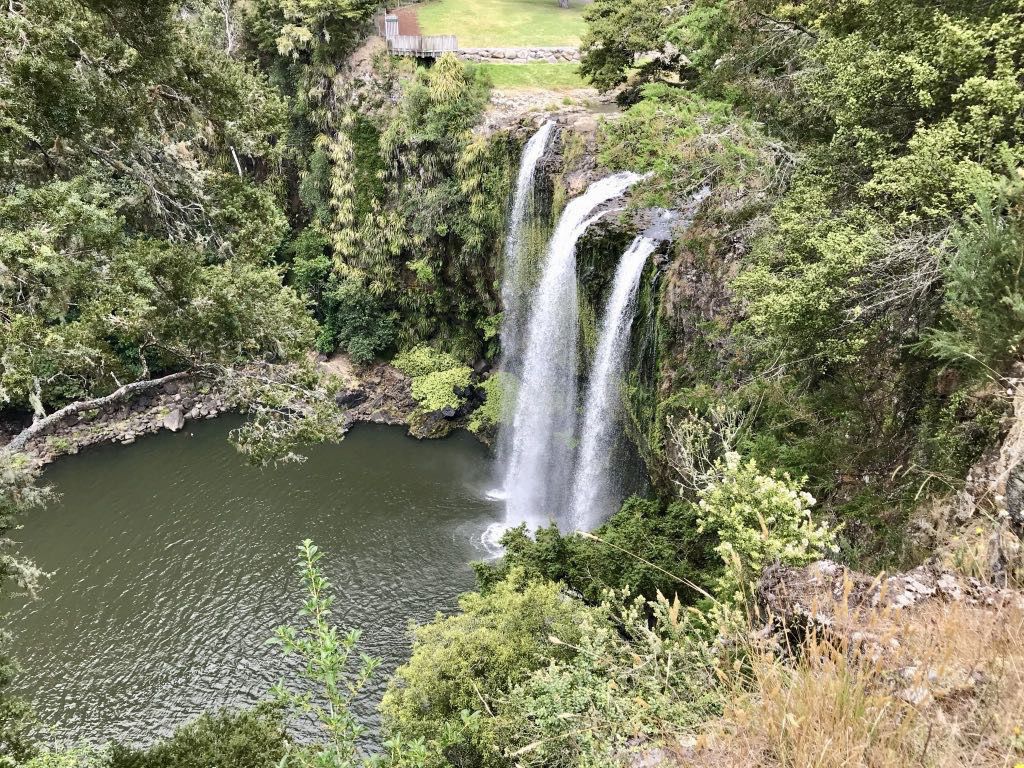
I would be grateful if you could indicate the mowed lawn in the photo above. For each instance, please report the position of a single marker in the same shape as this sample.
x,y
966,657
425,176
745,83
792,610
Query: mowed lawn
x,y
504,23
534,76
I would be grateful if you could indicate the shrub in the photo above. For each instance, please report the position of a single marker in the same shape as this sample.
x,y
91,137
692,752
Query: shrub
x,y
488,416
253,738
422,360
759,519
645,546
329,687
686,142
435,374
643,673
437,390
357,322
461,665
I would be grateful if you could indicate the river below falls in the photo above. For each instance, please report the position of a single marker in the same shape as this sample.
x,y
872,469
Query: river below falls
x,y
172,561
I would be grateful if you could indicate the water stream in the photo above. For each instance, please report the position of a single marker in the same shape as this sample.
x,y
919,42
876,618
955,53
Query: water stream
x,y
594,494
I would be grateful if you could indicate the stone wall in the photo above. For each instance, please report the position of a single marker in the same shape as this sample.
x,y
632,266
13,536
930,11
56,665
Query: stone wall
x,y
520,55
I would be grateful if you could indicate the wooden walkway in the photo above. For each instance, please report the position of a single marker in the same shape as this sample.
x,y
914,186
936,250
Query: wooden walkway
x,y
418,46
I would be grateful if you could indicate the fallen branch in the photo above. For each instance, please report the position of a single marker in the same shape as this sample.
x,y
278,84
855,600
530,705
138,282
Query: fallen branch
x,y
41,425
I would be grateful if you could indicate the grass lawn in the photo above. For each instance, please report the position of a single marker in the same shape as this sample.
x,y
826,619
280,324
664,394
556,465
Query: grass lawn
x,y
504,23
540,75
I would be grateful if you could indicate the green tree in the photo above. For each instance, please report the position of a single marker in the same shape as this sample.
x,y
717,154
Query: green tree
x,y
620,32
139,216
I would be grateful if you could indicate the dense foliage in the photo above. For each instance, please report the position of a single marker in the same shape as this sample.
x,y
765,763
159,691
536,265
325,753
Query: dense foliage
x,y
864,164
198,184
140,213
646,546
461,664
247,739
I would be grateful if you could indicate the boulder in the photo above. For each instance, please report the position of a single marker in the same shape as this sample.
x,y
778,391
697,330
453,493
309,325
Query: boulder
x,y
585,124
175,420
350,398
431,425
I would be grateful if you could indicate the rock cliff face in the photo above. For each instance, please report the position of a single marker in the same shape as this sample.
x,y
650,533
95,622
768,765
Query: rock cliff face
x,y
982,527
697,295
171,407
829,595
978,555
997,482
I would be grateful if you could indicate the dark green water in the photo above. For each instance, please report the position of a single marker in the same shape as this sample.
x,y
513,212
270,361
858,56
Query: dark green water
x,y
172,563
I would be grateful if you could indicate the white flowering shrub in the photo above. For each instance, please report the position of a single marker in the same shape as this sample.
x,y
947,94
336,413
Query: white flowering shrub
x,y
759,519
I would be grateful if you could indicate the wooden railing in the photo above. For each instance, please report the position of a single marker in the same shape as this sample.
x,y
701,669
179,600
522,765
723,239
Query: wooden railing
x,y
424,47
420,46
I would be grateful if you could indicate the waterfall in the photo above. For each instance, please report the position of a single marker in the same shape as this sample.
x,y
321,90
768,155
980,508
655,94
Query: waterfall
x,y
593,494
513,286
544,425
515,283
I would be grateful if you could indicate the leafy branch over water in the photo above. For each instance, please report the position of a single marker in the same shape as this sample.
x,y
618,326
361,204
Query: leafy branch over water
x,y
333,687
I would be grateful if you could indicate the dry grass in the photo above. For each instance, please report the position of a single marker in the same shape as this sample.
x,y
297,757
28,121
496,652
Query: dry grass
x,y
938,686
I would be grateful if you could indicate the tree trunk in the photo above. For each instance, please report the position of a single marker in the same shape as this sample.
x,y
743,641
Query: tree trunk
x,y
563,3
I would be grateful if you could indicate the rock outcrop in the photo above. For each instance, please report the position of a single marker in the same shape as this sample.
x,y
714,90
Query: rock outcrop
x,y
379,394
826,594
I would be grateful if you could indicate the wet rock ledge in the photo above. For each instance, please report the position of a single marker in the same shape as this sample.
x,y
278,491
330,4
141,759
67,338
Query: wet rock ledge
x,y
378,394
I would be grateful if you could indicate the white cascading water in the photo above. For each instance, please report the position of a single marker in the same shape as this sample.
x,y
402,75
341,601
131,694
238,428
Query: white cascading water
x,y
514,286
594,488
540,461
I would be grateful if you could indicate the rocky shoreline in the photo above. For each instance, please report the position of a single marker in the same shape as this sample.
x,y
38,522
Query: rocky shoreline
x,y
379,394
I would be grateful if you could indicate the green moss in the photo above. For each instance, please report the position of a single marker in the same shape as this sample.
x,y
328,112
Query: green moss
x,y
60,445
588,329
